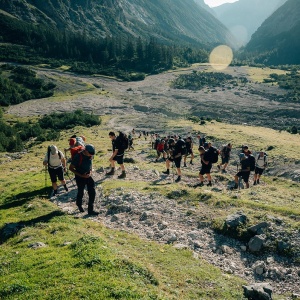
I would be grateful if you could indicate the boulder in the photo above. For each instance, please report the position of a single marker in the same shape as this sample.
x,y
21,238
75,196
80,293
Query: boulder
x,y
236,220
258,227
256,243
258,291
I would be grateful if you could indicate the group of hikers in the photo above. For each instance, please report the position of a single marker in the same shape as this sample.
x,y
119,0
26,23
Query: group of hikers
x,y
171,148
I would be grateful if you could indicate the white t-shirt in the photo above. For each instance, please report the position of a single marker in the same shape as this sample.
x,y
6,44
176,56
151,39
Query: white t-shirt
x,y
261,161
54,160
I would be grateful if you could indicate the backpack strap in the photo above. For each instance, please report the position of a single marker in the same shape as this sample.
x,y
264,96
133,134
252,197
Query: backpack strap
x,y
48,153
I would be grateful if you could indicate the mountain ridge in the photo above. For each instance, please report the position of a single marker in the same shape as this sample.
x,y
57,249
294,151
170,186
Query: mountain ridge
x,y
168,21
244,17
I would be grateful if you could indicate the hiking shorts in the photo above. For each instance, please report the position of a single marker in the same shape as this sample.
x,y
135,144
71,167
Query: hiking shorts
x,y
119,159
205,169
245,175
189,151
177,161
258,170
56,173
225,160
160,151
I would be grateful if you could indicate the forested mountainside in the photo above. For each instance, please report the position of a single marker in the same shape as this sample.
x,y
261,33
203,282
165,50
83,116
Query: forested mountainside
x,y
244,17
169,21
277,40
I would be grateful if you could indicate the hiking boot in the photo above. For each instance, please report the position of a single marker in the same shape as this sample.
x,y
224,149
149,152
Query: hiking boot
x,y
209,184
218,166
191,162
54,193
254,183
257,181
93,213
199,184
167,172
122,175
80,208
178,179
111,172
235,187
185,165
224,171
65,187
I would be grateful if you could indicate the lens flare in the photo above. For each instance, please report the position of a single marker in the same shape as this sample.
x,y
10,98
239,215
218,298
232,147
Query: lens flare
x,y
221,57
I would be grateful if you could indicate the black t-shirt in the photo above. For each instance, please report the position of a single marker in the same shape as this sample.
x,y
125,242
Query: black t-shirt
x,y
117,144
245,164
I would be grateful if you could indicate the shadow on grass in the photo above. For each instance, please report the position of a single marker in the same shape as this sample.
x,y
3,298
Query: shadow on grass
x,y
11,229
22,198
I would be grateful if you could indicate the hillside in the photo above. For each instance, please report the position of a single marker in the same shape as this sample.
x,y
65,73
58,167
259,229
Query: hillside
x,y
244,17
178,22
276,41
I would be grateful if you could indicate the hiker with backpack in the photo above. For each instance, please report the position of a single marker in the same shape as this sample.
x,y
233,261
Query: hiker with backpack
x,y
206,166
225,156
260,166
212,152
201,140
243,172
56,163
81,166
118,148
189,150
160,150
176,149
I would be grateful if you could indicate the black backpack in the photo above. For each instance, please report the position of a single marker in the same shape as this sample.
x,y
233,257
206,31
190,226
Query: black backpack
x,y
213,155
181,146
124,142
251,162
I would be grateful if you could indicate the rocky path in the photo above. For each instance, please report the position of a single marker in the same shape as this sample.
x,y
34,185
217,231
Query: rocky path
x,y
161,219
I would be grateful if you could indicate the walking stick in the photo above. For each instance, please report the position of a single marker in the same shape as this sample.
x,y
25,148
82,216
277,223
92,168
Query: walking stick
x,y
45,176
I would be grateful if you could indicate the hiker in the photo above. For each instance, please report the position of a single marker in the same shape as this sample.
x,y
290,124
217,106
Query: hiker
x,y
176,149
212,152
260,166
118,154
201,140
160,149
246,150
189,150
244,171
206,166
56,162
81,166
130,142
225,156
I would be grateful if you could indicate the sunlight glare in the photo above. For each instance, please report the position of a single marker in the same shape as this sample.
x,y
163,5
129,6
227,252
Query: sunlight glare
x,y
221,57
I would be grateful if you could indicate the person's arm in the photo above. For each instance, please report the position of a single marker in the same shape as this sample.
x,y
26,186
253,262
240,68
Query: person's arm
x,y
72,168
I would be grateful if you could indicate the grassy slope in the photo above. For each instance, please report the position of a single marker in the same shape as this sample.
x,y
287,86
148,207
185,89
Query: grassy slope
x,y
104,264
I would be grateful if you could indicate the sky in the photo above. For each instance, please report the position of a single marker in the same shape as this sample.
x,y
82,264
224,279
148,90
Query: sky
x,y
213,3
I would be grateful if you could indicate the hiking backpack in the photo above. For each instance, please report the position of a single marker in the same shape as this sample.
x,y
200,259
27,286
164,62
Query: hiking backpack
x,y
251,162
182,146
124,142
213,154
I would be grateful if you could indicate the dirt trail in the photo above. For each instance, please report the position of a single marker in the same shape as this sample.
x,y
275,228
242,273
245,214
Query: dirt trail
x,y
155,217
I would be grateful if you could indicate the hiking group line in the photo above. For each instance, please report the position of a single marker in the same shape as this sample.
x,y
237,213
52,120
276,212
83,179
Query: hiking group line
x,y
172,149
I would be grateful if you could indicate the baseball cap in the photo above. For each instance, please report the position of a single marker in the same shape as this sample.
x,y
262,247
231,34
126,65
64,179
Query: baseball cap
x,y
205,145
171,141
90,149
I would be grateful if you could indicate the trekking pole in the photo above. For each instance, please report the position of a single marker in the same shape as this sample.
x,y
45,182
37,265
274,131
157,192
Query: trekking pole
x,y
45,176
173,170
67,173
